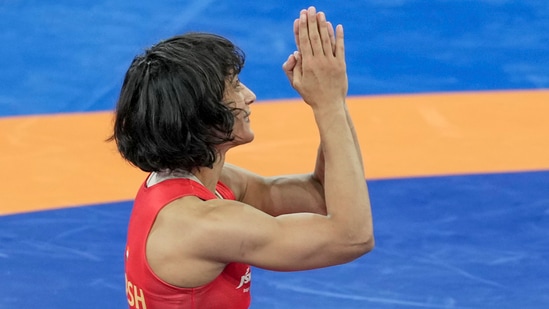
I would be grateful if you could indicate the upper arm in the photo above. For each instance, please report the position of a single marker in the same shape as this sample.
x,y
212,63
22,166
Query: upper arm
x,y
235,232
276,195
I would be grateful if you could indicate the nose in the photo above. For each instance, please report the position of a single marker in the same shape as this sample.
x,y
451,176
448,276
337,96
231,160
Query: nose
x,y
249,96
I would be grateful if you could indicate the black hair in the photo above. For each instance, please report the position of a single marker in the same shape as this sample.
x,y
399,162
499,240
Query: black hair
x,y
170,113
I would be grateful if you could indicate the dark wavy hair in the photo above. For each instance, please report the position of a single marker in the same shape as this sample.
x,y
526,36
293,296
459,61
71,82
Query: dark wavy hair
x,y
170,113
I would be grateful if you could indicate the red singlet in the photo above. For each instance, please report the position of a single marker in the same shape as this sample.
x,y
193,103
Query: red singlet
x,y
144,290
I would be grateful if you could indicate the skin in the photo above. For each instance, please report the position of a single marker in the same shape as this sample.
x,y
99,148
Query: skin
x,y
282,223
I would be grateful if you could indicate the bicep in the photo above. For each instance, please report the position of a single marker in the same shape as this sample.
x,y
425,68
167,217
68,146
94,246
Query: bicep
x,y
276,195
294,194
285,243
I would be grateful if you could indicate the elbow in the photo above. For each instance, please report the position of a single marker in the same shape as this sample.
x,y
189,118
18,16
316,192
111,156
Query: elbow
x,y
360,245
365,244
355,239
369,244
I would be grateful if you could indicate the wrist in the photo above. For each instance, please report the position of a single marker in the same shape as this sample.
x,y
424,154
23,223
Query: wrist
x,y
327,108
329,118
328,112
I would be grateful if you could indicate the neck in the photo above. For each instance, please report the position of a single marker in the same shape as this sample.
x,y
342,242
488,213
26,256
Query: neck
x,y
209,177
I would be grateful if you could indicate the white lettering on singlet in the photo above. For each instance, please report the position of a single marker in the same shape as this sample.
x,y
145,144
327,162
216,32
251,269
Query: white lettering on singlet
x,y
246,278
135,295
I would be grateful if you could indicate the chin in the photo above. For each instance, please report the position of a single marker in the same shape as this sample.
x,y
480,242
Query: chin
x,y
243,139
248,138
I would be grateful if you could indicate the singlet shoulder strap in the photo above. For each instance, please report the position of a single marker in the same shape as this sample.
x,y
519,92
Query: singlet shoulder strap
x,y
169,190
225,191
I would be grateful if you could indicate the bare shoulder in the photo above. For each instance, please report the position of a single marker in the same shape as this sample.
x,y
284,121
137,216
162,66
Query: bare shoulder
x,y
189,219
193,240
176,241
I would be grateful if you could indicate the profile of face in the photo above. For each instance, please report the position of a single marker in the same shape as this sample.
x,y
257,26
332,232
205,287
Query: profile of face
x,y
239,97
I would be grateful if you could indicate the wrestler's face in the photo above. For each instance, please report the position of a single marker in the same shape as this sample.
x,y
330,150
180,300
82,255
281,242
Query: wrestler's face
x,y
238,96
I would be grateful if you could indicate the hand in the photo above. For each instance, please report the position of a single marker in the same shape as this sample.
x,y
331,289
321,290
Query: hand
x,y
317,70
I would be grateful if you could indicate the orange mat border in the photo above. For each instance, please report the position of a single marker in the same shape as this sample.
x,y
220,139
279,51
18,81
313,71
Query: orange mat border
x,y
57,161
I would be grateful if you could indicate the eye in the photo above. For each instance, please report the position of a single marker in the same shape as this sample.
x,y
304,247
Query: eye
x,y
237,84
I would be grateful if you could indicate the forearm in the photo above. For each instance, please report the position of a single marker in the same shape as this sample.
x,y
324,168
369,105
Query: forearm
x,y
355,138
318,173
346,193
319,170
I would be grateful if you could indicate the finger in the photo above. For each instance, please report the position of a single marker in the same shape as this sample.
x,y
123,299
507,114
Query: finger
x,y
288,67
289,64
296,29
297,71
331,32
324,34
314,35
340,43
296,33
304,41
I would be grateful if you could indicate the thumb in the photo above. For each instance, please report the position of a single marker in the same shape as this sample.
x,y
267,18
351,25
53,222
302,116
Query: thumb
x,y
297,72
288,67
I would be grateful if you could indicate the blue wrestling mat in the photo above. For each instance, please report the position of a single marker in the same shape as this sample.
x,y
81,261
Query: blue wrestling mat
x,y
469,241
